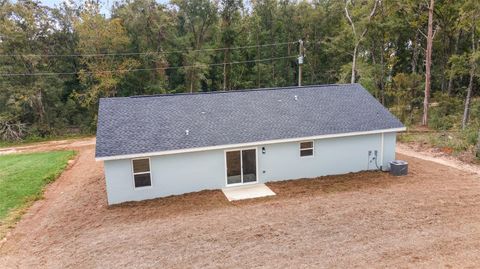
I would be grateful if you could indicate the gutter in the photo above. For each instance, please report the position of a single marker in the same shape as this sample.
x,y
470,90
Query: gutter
x,y
250,144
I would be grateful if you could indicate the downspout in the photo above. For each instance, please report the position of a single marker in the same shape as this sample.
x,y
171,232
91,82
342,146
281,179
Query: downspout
x,y
381,151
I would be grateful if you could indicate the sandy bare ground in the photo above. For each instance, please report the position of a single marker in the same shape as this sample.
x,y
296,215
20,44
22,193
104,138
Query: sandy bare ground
x,y
50,145
437,157
430,218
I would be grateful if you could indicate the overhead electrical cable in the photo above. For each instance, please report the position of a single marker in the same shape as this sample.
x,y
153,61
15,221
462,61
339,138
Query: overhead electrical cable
x,y
145,53
141,69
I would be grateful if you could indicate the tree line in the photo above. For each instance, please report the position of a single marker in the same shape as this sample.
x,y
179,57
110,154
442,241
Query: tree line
x,y
56,62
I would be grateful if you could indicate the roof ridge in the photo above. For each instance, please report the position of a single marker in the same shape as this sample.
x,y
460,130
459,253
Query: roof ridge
x,y
242,90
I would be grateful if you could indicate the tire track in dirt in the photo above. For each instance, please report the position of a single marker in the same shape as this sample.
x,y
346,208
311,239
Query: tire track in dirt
x,y
437,158
50,145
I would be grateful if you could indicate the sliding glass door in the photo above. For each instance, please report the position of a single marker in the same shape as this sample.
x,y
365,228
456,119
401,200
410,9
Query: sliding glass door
x,y
241,166
249,165
234,167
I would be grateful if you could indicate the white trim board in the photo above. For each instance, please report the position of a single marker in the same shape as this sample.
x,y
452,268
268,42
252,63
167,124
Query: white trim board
x,y
250,144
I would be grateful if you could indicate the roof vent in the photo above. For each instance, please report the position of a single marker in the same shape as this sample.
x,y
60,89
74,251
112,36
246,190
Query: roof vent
x,y
187,132
296,98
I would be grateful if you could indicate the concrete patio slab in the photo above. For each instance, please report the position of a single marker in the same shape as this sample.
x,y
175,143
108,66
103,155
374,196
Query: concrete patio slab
x,y
247,192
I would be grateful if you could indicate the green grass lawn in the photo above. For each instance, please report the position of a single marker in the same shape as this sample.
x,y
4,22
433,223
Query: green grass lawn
x,y
23,177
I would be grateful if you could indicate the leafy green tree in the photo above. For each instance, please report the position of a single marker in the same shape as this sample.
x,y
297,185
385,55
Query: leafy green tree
x,y
100,74
406,92
29,31
230,14
470,13
197,27
360,27
56,62
151,30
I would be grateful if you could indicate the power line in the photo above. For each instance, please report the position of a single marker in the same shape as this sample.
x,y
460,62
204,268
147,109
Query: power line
x,y
141,69
144,53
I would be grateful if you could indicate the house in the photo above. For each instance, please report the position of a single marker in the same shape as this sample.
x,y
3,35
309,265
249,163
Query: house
x,y
160,145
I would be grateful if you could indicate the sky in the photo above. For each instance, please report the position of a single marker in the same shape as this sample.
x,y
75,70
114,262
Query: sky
x,y
106,5
105,9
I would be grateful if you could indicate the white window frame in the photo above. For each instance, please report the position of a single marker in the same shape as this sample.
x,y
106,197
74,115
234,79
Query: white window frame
x,y
312,148
140,173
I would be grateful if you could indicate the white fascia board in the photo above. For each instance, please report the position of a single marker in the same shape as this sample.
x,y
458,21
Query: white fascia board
x,y
177,151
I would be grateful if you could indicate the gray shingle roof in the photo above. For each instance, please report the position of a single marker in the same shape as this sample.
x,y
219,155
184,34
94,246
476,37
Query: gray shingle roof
x,y
143,124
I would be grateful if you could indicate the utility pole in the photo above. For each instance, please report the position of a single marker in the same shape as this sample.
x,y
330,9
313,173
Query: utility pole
x,y
300,62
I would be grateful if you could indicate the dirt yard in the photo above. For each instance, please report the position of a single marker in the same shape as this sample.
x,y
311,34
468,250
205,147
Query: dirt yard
x,y
430,218
50,145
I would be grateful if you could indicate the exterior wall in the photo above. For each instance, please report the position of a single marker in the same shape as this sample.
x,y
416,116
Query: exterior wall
x,y
331,156
188,172
170,174
390,140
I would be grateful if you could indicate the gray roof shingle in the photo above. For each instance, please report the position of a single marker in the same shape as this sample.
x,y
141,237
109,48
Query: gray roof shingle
x,y
144,124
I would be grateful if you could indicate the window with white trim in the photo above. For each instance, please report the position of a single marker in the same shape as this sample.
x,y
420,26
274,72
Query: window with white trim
x,y
141,173
306,148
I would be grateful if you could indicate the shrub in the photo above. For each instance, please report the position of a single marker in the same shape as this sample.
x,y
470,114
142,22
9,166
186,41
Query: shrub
x,y
10,129
405,96
445,112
